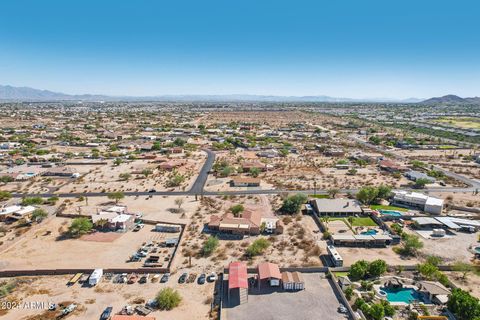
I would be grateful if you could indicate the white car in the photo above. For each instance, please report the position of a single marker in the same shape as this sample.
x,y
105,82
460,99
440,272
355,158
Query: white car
x,y
212,277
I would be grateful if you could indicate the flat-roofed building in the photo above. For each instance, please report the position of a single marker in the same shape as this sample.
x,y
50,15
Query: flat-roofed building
x,y
336,207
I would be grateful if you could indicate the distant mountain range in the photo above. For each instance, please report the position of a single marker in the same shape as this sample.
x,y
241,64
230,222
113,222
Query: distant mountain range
x,y
452,99
10,93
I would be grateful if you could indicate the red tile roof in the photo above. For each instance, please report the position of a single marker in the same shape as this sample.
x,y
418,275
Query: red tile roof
x,y
237,275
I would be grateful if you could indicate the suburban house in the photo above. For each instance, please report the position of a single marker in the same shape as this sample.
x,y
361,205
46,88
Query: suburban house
x,y
248,165
59,172
15,212
416,175
116,217
248,224
390,166
245,182
418,201
336,207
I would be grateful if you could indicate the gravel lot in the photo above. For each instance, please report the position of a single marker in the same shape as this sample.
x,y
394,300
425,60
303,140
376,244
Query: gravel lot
x,y
317,301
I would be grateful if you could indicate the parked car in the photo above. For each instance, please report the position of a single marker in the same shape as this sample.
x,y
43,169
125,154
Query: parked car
x,y
201,279
143,279
212,277
152,190
183,278
132,279
106,314
165,278
138,227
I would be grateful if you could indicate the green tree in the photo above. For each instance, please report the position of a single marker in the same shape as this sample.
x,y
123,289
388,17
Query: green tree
x,y
254,172
464,268
124,176
411,245
80,226
39,214
5,195
257,247
367,195
377,267
168,299
209,246
146,172
427,270
463,305
117,196
292,204
237,209
421,183
358,270
384,192
376,312
6,179
31,201
175,180
333,192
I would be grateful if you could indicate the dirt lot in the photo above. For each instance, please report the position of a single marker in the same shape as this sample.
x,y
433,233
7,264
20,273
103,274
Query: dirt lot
x,y
451,249
159,208
43,250
92,301
317,301
350,255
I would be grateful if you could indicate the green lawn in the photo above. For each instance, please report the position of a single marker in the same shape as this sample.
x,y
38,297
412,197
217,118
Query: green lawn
x,y
319,196
363,222
378,206
341,274
357,222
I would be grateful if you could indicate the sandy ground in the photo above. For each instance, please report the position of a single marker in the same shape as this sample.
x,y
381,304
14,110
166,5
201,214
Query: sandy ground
x,y
351,255
41,250
451,249
92,301
471,283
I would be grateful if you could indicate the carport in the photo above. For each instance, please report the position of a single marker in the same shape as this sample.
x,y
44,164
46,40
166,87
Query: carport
x,y
238,280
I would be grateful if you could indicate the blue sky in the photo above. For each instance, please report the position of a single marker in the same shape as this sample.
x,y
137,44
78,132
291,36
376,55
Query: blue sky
x,y
368,48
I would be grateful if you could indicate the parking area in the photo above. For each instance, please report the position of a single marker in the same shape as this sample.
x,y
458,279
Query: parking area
x,y
91,301
317,301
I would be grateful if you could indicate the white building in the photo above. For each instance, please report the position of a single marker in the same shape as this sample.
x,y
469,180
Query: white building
x,y
419,201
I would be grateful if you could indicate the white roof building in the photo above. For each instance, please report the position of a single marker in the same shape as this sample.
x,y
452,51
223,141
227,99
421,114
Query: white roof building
x,y
418,200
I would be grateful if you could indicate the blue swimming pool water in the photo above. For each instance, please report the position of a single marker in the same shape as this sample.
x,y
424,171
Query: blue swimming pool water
x,y
406,295
371,232
391,213
477,249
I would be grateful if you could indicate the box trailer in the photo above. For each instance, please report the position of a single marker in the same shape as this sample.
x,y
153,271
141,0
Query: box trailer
x,y
95,277
161,227
438,233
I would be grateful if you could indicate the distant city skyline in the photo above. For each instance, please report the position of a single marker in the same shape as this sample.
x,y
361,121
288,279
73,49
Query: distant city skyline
x,y
347,49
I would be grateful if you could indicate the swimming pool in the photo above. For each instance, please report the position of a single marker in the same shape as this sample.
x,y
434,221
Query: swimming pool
x,y
477,250
370,232
391,213
405,295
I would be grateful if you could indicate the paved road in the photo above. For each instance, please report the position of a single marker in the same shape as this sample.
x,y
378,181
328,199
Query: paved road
x,y
199,183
